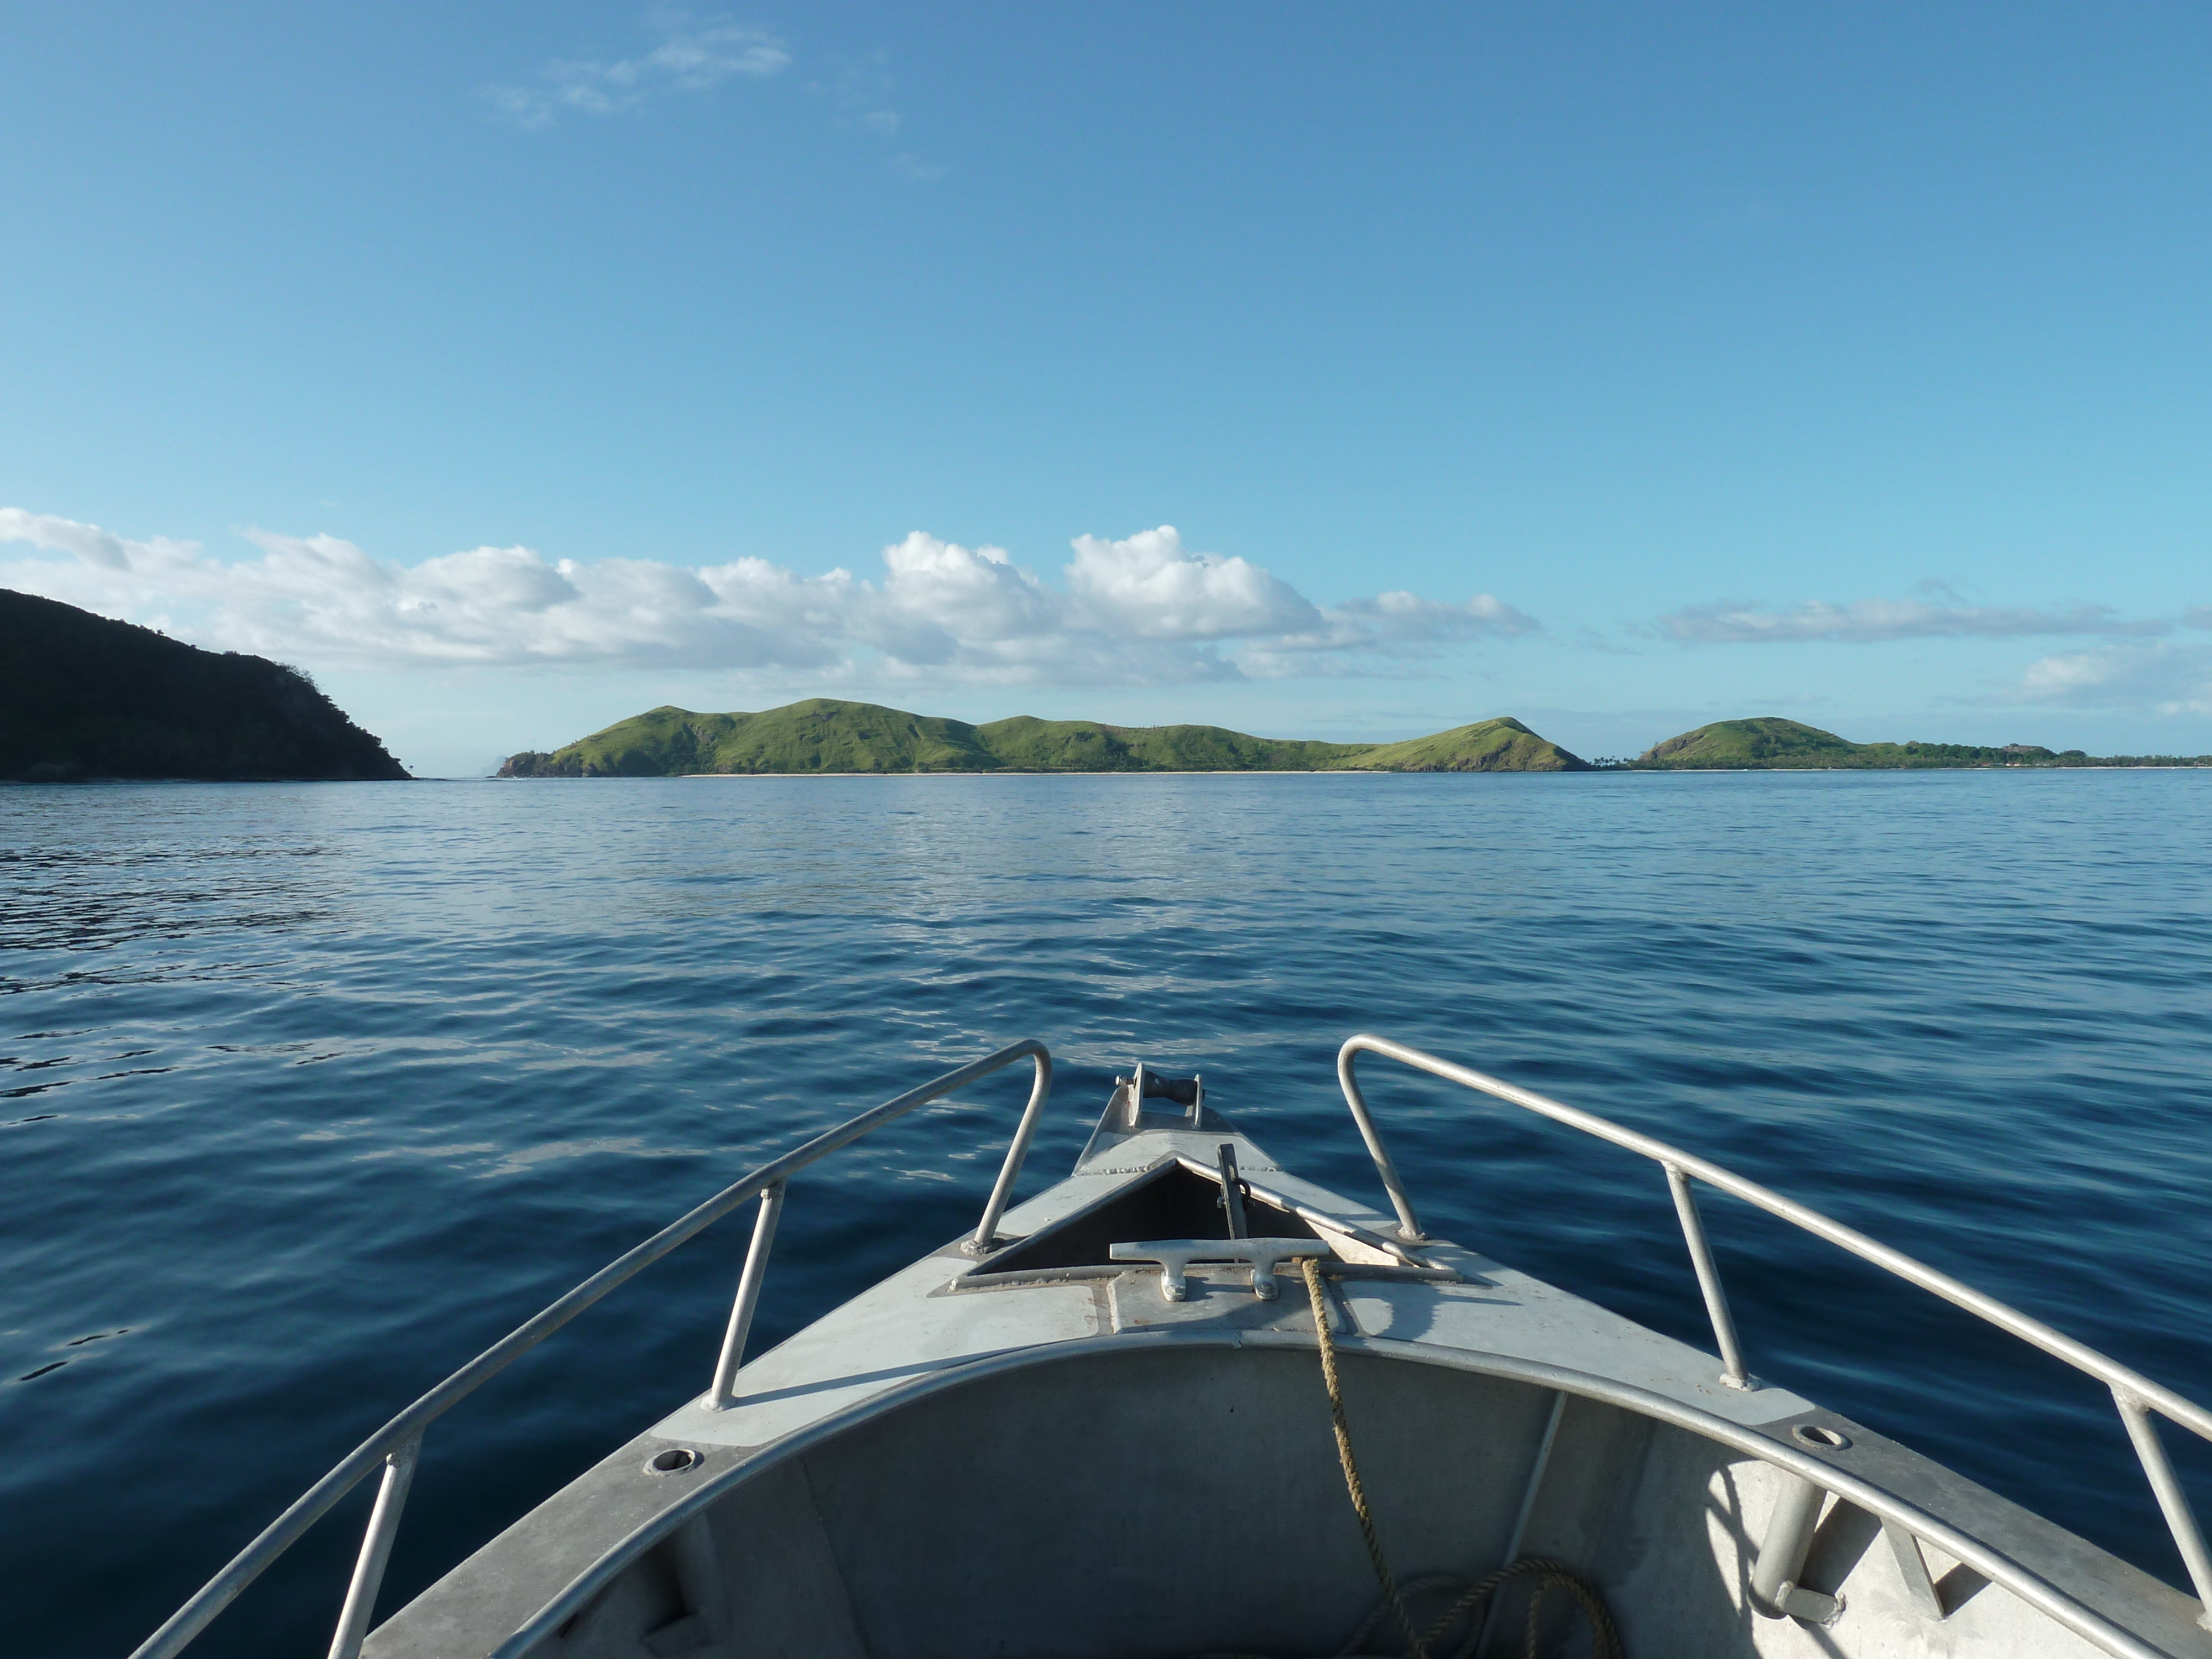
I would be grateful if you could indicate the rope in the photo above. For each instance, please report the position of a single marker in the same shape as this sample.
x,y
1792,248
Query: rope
x,y
1310,1267
1605,1639
1549,1576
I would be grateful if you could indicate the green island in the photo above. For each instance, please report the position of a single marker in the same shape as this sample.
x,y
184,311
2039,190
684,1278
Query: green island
x,y
823,734
826,735
83,697
1771,743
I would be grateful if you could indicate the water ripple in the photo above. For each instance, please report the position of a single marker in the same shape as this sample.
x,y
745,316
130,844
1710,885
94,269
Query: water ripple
x,y
317,1090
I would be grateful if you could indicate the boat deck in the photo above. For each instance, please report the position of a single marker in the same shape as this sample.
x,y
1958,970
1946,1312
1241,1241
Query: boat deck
x,y
1532,1421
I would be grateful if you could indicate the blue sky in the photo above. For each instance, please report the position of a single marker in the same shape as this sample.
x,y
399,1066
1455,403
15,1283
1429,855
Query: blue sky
x,y
515,367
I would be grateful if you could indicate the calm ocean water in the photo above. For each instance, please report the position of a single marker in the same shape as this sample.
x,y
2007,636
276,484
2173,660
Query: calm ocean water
x,y
310,1093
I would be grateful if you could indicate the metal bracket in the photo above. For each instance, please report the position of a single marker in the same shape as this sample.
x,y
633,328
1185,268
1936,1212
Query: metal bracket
x,y
1232,1192
1912,1567
1175,1256
1810,1606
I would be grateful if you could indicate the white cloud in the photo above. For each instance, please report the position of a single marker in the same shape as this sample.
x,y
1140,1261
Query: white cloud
x,y
89,543
1869,620
1149,586
1402,618
1397,624
693,55
2160,678
1143,609
324,599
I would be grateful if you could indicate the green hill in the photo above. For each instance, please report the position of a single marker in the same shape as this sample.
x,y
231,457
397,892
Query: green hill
x,y
1771,743
825,735
818,735
1028,744
1767,742
83,697
1497,745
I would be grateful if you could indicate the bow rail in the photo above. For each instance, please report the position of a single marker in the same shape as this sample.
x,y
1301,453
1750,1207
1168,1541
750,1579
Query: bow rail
x,y
2134,1394
395,1447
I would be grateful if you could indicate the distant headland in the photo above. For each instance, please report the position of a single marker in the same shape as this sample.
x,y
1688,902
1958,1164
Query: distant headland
x,y
825,735
1772,744
83,697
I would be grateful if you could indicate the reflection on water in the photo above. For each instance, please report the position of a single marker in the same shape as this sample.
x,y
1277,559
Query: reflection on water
x,y
312,1092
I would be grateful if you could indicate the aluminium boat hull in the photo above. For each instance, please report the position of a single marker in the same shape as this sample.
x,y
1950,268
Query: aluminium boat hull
x,y
1033,1450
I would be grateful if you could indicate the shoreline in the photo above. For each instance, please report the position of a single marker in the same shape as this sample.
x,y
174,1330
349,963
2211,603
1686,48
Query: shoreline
x,y
1373,772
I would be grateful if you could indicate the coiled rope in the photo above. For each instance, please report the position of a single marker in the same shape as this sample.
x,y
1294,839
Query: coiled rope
x,y
1605,1639
1549,1576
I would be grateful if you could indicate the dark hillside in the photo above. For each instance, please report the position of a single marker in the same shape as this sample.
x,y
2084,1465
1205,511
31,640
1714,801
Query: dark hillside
x,y
84,697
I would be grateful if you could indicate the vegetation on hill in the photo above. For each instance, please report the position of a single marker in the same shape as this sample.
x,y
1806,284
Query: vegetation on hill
x,y
1774,744
1027,743
825,735
82,696
1770,741
818,735
1496,745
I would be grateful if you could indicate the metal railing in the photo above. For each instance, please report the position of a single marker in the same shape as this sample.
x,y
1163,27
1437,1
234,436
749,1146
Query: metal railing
x,y
395,1446
2134,1394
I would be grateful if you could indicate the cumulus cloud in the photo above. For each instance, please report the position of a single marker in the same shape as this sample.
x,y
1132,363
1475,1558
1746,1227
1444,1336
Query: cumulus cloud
x,y
1142,610
692,55
1149,585
939,596
1869,620
2162,678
